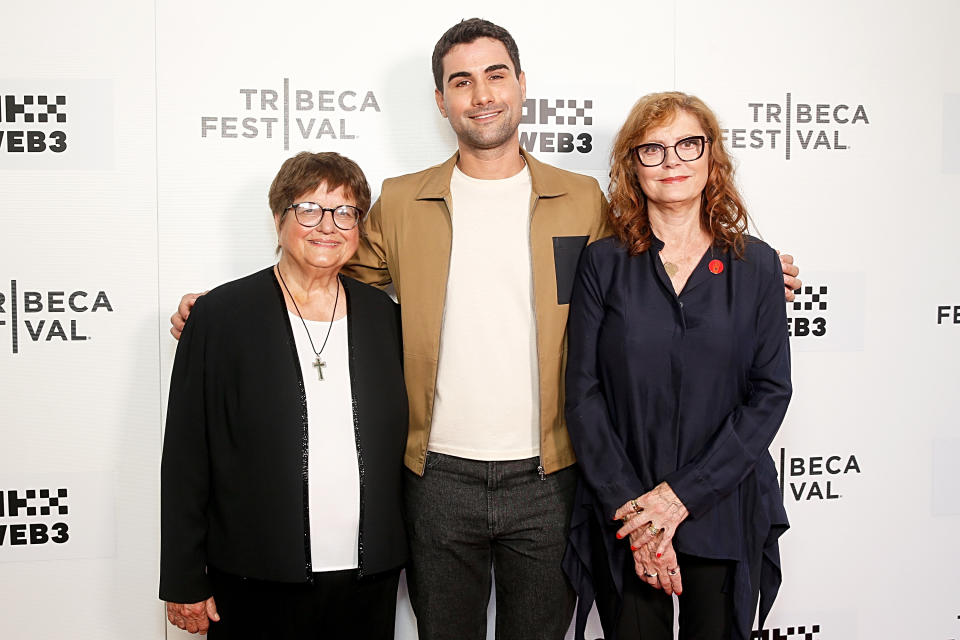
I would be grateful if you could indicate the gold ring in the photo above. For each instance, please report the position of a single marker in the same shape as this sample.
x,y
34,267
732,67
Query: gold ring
x,y
650,575
636,507
653,530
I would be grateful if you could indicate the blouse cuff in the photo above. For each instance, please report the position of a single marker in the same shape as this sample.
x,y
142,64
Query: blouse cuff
x,y
614,496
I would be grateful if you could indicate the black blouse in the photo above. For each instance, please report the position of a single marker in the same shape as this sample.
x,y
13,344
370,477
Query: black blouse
x,y
689,389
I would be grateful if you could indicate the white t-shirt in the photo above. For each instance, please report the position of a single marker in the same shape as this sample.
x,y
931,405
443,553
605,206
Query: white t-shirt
x,y
333,475
487,400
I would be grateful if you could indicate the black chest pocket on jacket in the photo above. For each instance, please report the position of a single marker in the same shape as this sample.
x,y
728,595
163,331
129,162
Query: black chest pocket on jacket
x,y
566,256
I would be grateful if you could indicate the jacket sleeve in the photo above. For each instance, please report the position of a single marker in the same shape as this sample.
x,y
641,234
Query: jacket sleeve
x,y
369,264
184,470
745,435
601,455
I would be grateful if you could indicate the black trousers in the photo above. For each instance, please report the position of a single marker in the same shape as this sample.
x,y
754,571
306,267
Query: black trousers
x,y
335,605
706,604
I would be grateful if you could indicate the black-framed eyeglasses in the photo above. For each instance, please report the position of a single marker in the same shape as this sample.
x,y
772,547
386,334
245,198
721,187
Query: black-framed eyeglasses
x,y
309,214
653,154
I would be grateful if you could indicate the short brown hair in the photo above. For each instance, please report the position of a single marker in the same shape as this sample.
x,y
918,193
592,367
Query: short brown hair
x,y
306,171
465,32
722,212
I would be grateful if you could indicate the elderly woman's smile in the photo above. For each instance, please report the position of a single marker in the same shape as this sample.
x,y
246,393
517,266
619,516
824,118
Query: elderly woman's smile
x,y
325,246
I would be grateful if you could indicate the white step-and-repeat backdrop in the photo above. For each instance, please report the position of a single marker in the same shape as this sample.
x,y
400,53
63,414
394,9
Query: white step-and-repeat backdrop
x,y
138,140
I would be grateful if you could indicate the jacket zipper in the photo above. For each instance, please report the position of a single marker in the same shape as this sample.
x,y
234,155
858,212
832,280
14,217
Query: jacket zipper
x,y
536,343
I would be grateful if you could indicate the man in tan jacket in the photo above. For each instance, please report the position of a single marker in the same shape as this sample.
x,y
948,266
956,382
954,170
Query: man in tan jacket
x,y
482,252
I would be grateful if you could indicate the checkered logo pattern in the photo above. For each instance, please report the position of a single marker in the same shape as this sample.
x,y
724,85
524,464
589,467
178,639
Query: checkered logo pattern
x,y
35,109
579,112
43,502
790,633
558,111
810,298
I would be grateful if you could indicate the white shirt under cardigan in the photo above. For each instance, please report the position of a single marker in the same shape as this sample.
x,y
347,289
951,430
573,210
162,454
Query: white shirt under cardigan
x,y
333,475
487,400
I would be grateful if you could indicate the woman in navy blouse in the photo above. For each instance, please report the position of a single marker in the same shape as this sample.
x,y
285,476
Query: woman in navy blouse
x,y
678,378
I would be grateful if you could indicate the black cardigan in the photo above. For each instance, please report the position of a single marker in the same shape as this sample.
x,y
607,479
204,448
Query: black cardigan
x,y
234,471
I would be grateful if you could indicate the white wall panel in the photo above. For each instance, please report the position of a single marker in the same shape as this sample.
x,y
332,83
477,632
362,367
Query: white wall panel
x,y
161,189
80,405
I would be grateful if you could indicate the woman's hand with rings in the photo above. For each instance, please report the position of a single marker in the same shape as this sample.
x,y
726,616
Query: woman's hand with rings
x,y
666,568
194,617
653,516
643,562
659,573
645,568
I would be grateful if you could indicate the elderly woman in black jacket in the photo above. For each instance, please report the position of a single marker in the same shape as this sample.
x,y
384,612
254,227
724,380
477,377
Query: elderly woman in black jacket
x,y
282,457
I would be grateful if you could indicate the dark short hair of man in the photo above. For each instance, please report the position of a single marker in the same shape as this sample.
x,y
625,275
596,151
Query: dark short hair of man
x,y
465,32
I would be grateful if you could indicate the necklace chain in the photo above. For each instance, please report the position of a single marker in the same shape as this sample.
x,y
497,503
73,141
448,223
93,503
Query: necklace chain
x,y
319,363
672,268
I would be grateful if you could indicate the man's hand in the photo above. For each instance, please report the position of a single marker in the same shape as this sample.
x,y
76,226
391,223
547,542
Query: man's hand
x,y
790,273
179,319
194,617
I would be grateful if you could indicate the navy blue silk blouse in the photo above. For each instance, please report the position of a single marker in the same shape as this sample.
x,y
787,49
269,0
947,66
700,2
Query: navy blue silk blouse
x,y
689,389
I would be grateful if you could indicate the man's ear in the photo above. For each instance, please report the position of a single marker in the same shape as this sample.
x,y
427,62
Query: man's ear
x,y
439,98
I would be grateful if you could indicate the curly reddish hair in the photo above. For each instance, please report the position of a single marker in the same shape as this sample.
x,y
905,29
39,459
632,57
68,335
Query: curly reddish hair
x,y
722,212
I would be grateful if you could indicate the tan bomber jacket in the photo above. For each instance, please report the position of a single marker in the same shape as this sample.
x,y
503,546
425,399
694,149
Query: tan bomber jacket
x,y
407,242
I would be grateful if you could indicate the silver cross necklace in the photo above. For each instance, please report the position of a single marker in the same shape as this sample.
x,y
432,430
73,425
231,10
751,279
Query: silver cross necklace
x,y
319,363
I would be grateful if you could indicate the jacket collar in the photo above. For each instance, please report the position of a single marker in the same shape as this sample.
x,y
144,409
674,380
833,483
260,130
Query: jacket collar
x,y
546,182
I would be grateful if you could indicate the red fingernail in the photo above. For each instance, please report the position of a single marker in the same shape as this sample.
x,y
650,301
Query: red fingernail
x,y
633,548
619,535
659,554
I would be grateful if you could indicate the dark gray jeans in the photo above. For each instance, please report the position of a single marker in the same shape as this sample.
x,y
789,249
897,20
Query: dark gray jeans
x,y
466,516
